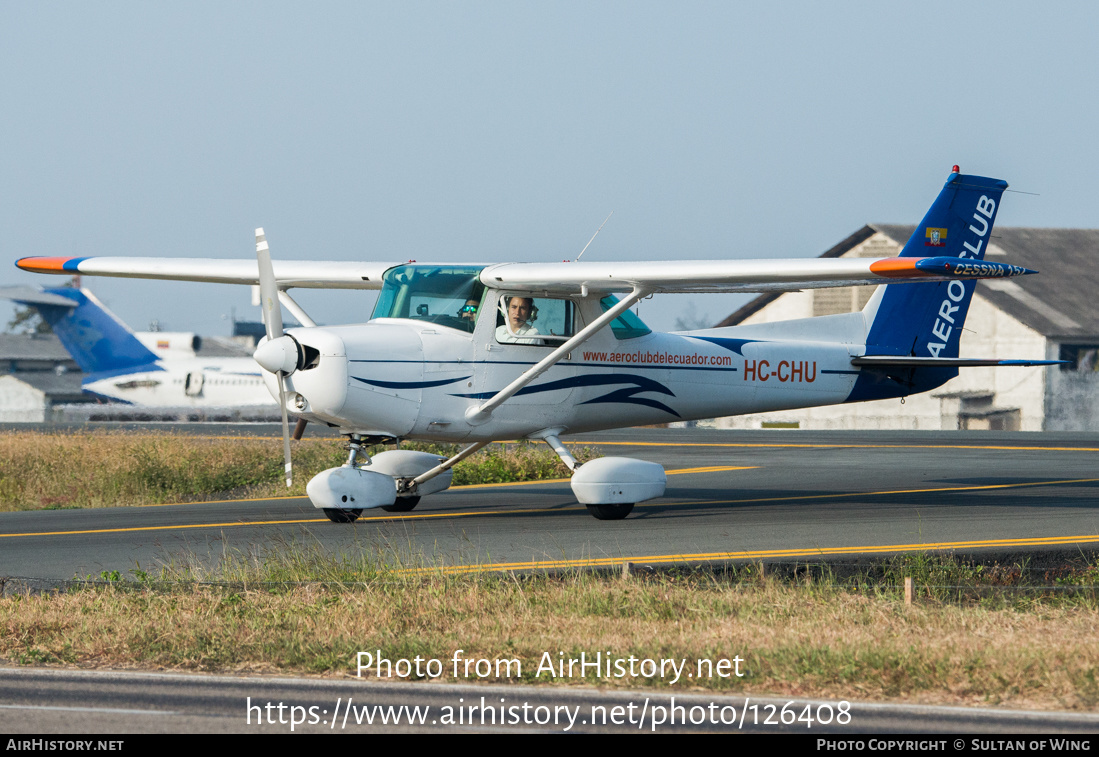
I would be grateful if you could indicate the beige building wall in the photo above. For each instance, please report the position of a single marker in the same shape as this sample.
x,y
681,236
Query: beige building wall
x,y
20,402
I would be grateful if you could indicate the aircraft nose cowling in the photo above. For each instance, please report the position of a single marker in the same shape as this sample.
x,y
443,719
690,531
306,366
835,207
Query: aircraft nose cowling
x,y
317,389
385,365
366,378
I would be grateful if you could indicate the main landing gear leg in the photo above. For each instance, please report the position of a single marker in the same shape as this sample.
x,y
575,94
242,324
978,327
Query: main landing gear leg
x,y
409,490
354,449
612,511
608,486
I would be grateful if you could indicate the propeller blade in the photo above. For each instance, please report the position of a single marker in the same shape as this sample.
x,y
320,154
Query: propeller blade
x,y
268,289
285,430
272,319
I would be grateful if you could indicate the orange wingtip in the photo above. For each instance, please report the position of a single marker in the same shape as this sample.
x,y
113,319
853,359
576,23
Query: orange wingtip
x,y
897,268
46,265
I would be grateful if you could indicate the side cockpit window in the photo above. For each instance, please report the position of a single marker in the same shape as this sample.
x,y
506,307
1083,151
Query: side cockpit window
x,y
545,321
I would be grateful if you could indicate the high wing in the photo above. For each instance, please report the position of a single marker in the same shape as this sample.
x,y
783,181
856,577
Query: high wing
x,y
735,275
559,278
312,274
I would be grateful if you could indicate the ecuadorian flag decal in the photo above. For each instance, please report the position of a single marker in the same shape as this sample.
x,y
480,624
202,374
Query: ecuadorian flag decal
x,y
935,237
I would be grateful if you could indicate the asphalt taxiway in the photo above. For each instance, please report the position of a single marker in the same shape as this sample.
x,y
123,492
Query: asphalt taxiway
x,y
771,495
43,701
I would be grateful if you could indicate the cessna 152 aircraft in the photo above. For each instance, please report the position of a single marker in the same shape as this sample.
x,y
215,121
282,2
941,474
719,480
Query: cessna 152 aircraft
x,y
479,353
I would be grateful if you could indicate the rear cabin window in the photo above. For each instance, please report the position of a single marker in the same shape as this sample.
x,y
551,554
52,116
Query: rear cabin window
x,y
627,325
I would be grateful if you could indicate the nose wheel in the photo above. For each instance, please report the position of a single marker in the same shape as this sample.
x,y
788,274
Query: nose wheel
x,y
611,512
342,516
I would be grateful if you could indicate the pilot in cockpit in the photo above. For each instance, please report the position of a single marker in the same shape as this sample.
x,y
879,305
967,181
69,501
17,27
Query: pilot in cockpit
x,y
468,312
520,314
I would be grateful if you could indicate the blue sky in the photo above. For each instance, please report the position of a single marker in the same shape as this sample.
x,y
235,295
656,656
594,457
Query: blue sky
x,y
489,131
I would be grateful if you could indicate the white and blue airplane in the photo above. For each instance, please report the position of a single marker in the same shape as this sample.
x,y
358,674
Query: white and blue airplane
x,y
153,369
480,353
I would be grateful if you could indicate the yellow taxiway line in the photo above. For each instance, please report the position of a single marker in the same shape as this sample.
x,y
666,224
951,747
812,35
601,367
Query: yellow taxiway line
x,y
387,516
1018,485
843,446
757,445
771,554
472,513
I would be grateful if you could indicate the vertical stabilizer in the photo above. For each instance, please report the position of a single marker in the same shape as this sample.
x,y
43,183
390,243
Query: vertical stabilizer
x,y
925,320
93,335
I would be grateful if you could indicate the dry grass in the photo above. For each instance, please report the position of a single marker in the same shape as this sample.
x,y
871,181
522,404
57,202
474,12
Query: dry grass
x,y
796,640
108,469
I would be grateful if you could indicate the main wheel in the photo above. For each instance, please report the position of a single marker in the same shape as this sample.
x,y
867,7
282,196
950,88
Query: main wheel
x,y
342,516
611,512
402,505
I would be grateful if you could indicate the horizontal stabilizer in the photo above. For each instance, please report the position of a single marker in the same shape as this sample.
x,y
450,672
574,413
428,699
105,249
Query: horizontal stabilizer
x,y
32,296
873,361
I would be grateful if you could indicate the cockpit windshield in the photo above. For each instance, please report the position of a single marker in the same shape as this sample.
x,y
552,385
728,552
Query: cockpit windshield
x,y
445,295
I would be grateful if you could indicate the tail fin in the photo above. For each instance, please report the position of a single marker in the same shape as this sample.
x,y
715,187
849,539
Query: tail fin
x,y
925,320
93,335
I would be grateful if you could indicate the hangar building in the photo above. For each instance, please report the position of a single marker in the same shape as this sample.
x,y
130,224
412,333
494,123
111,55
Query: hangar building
x,y
1051,315
36,374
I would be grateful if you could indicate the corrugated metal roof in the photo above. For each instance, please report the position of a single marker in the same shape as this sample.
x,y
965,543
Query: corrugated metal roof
x,y
48,347
28,347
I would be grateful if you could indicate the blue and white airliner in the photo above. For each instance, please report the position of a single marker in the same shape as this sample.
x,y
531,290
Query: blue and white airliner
x,y
148,369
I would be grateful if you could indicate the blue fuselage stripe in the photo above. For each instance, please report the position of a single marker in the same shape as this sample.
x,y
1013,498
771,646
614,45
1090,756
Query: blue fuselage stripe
x,y
625,366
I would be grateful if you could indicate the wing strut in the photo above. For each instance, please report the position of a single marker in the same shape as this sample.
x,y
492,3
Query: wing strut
x,y
550,437
446,464
478,414
295,309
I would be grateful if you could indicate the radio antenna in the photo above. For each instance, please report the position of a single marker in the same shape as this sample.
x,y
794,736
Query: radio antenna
x,y
593,236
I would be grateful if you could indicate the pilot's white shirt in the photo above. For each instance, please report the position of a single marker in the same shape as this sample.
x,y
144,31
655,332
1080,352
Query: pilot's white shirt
x,y
503,335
